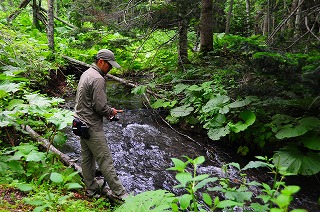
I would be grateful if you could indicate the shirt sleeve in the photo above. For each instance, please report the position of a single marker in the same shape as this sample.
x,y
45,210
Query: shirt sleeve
x,y
99,100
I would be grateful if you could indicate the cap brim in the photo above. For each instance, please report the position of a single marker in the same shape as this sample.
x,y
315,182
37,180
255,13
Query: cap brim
x,y
114,64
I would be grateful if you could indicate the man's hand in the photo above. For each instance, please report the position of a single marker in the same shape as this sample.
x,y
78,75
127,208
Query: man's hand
x,y
113,116
115,111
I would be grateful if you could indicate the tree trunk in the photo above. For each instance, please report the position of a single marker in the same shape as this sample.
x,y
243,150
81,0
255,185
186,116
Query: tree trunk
x,y
50,27
183,43
206,26
248,18
229,17
266,23
297,22
35,10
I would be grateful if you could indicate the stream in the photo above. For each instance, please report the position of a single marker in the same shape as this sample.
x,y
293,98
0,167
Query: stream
x,y
143,145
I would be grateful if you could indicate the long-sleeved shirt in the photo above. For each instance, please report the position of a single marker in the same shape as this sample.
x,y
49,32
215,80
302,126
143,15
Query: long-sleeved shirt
x,y
91,99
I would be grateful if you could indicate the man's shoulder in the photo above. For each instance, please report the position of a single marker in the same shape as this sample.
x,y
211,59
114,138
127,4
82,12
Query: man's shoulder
x,y
93,73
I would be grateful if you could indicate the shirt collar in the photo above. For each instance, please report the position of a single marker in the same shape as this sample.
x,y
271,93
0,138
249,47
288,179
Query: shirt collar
x,y
94,66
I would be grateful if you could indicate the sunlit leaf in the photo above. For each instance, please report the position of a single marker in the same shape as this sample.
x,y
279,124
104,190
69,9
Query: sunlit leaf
x,y
181,111
184,178
228,203
199,160
25,148
35,156
61,118
73,186
290,189
216,134
248,117
24,187
179,165
38,100
157,201
10,87
200,177
56,177
207,199
194,88
185,201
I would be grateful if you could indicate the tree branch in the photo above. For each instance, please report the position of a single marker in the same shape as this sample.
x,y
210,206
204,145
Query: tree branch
x,y
13,15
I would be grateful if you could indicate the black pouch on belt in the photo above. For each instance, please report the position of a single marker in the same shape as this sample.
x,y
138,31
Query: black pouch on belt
x,y
80,129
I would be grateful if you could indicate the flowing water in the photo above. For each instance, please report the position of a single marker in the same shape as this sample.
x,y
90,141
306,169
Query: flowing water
x,y
143,145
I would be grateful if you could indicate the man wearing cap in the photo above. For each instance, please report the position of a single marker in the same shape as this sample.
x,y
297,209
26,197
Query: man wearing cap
x,y
90,108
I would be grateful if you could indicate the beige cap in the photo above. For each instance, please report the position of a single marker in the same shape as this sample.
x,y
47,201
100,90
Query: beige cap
x,y
107,55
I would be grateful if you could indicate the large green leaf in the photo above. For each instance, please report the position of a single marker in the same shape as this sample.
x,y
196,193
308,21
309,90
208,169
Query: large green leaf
x,y
25,149
156,201
73,186
312,141
240,103
255,164
56,177
216,102
38,100
179,88
60,138
296,161
248,117
290,132
305,124
25,187
35,156
216,134
61,118
10,87
181,111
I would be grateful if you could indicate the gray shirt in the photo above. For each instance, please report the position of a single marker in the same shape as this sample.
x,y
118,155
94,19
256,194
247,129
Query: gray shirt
x,y
91,99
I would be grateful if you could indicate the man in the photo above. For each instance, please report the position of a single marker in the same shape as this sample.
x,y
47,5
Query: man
x,y
91,106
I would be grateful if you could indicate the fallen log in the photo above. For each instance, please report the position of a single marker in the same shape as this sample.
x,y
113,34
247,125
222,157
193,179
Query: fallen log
x,y
46,144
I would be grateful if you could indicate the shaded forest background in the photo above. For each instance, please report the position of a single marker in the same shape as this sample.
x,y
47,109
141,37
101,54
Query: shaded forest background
x,y
244,73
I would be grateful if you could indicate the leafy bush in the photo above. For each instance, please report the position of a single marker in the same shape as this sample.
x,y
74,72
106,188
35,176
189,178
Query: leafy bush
x,y
205,193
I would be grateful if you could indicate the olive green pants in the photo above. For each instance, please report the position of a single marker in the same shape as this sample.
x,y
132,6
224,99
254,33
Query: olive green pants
x,y
96,149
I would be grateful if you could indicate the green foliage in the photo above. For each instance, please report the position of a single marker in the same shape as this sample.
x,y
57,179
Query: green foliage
x,y
25,55
300,157
201,196
211,107
159,200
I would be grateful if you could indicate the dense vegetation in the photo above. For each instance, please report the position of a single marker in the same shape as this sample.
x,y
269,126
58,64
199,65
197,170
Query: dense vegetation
x,y
255,89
